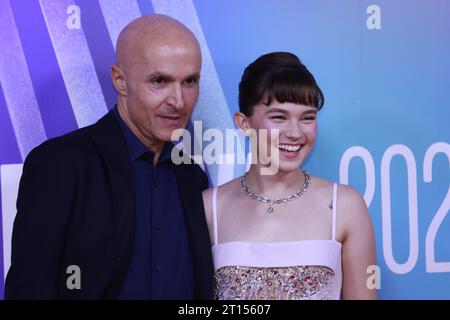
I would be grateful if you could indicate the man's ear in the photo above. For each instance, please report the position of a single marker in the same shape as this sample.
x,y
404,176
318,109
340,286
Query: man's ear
x,y
241,121
118,79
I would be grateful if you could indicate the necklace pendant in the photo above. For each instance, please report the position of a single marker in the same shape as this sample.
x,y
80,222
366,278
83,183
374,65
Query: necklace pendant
x,y
271,202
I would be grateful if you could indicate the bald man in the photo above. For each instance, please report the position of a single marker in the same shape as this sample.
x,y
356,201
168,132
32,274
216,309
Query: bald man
x,y
102,212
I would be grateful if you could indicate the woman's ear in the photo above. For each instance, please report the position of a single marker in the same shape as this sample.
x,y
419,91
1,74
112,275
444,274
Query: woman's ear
x,y
241,121
118,79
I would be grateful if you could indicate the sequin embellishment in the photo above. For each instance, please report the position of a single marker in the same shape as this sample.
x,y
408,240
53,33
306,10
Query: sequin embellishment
x,y
280,283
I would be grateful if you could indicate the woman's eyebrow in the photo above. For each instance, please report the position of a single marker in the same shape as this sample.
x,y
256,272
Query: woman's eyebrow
x,y
273,110
309,112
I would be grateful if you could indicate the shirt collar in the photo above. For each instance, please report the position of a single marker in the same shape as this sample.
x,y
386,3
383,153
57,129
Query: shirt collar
x,y
136,148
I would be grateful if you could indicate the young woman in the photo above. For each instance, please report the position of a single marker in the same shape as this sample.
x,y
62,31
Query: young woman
x,y
286,234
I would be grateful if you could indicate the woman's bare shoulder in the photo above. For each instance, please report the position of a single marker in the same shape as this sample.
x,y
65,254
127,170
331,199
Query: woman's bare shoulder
x,y
351,200
347,195
225,190
353,211
320,184
230,188
351,207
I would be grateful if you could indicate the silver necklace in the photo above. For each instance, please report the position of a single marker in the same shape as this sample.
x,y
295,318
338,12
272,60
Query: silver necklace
x,y
271,201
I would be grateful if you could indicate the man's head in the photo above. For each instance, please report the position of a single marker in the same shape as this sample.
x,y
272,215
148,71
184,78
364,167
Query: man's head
x,y
156,75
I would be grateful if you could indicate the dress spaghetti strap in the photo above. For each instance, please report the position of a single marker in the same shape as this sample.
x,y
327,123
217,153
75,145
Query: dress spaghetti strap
x,y
333,230
214,213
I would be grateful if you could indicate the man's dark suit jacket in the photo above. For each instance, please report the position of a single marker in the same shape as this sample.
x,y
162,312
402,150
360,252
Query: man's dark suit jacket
x,y
76,206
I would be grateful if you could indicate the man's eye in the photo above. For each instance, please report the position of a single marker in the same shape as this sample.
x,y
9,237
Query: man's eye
x,y
158,81
191,81
309,118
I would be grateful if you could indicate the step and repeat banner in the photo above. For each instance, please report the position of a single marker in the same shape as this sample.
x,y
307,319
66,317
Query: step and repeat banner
x,y
384,68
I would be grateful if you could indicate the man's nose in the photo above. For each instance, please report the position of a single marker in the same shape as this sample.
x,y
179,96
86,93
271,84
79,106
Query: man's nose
x,y
175,98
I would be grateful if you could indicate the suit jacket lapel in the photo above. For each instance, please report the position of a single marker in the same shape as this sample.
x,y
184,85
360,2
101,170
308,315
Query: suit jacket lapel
x,y
111,145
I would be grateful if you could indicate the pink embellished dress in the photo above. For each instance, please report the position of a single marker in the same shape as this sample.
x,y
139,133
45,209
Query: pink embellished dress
x,y
294,270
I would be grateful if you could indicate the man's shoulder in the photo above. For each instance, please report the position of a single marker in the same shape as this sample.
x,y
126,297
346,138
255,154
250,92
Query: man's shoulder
x,y
71,143
77,143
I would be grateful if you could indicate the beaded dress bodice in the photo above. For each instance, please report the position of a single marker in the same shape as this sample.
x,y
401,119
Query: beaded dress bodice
x,y
293,270
290,283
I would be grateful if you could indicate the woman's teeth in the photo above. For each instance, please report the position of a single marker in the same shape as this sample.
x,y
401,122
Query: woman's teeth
x,y
291,148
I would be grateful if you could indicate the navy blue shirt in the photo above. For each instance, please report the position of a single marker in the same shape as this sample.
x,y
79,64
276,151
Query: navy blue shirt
x,y
161,264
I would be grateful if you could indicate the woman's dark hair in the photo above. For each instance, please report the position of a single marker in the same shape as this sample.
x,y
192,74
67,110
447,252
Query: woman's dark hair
x,y
280,76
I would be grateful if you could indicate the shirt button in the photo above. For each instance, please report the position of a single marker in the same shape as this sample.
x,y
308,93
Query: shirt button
x,y
158,267
158,227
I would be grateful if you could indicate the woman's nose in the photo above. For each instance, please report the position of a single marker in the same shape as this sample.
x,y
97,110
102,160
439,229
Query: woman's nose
x,y
294,131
